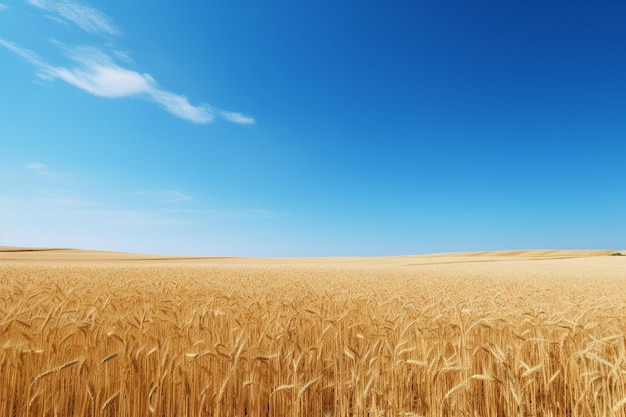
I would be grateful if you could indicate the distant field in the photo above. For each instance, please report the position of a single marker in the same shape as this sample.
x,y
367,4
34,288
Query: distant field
x,y
520,333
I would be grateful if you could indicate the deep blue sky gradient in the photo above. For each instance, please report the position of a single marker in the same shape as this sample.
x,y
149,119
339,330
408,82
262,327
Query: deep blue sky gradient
x,y
380,128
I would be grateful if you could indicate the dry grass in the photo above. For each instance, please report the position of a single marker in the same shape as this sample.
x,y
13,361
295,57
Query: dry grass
x,y
517,334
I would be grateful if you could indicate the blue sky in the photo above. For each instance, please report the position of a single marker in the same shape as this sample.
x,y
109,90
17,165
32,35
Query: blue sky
x,y
283,128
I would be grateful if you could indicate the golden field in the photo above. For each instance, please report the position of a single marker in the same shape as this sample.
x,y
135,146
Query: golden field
x,y
526,333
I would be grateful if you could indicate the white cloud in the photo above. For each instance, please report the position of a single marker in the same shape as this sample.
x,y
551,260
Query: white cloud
x,y
27,54
97,74
179,105
3,7
237,118
36,166
85,17
44,172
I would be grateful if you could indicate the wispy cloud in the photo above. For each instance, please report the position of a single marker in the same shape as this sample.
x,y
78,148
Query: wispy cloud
x,y
87,18
3,7
36,166
97,73
179,105
237,118
166,196
27,54
43,171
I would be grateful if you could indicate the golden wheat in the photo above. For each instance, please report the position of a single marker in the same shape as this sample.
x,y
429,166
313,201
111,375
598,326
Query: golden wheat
x,y
313,338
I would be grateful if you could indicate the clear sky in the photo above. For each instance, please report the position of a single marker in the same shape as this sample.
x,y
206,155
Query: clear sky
x,y
313,128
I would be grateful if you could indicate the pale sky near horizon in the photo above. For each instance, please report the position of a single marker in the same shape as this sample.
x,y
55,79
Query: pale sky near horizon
x,y
322,128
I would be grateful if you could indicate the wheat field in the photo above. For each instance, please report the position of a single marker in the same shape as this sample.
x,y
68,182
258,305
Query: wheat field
x,y
527,333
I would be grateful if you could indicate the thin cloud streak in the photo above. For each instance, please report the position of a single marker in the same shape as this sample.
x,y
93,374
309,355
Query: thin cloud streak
x,y
85,17
3,7
237,118
179,105
27,54
97,74
36,166
43,171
